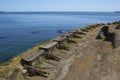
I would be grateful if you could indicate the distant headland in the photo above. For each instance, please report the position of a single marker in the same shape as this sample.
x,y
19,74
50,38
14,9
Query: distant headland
x,y
1,12
117,11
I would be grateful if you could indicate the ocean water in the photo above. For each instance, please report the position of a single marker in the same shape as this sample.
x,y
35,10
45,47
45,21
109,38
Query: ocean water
x,y
21,31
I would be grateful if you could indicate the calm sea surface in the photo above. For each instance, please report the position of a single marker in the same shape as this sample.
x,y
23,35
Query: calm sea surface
x,y
21,31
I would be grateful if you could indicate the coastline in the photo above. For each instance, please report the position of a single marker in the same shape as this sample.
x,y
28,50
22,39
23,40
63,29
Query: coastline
x,y
7,67
40,30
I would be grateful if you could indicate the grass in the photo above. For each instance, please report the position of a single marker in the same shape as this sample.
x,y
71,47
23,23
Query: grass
x,y
39,63
12,64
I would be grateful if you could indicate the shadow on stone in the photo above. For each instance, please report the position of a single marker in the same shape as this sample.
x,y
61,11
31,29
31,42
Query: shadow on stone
x,y
103,32
116,39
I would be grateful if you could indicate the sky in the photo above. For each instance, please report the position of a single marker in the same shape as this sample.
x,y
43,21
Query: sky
x,y
59,5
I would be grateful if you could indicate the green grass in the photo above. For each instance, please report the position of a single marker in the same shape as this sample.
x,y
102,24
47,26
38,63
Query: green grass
x,y
12,64
39,63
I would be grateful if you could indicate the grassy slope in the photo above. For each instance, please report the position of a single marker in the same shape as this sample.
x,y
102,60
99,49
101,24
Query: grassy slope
x,y
14,63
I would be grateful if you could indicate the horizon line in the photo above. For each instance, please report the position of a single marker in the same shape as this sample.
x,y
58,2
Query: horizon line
x,y
57,11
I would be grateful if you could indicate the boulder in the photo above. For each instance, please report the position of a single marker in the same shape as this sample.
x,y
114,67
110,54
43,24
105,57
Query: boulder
x,y
116,39
103,32
100,35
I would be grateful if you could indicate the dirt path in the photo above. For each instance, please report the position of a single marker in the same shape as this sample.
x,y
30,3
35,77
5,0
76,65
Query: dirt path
x,y
99,62
89,59
83,47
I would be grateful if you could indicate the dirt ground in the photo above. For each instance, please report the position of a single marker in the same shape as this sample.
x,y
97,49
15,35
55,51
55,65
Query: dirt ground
x,y
99,61
88,59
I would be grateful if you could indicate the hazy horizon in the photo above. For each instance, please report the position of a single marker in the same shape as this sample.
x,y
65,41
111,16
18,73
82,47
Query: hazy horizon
x,y
59,6
59,11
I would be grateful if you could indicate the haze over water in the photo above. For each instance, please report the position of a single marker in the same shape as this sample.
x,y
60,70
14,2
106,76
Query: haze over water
x,y
21,31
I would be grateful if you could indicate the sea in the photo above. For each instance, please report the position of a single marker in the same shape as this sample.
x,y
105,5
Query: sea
x,y
20,31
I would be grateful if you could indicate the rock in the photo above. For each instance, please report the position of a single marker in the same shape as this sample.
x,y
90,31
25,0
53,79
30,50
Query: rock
x,y
100,35
116,39
103,32
62,31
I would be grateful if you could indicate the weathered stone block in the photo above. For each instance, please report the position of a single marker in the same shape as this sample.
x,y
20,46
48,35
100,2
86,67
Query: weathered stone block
x,y
32,58
103,32
100,35
116,39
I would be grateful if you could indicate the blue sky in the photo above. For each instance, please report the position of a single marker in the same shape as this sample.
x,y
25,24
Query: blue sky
x,y
59,5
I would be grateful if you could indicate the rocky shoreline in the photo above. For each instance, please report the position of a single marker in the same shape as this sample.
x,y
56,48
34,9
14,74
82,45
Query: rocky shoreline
x,y
80,62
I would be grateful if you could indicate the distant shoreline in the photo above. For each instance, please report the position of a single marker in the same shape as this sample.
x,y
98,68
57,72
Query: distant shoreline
x,y
117,11
1,12
56,12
